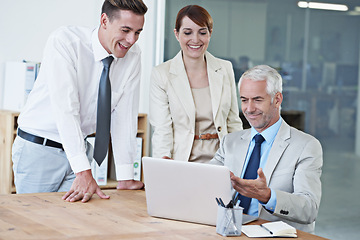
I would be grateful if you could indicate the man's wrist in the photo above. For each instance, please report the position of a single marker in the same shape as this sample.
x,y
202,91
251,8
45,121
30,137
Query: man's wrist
x,y
271,203
266,196
82,173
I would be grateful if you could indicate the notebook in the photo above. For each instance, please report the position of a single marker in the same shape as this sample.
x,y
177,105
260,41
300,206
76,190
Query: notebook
x,y
185,191
270,229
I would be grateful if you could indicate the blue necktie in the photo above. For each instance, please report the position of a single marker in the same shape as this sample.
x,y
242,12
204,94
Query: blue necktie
x,y
102,135
251,169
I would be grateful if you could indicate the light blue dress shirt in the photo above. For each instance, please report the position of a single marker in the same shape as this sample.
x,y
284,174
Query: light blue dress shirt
x,y
269,134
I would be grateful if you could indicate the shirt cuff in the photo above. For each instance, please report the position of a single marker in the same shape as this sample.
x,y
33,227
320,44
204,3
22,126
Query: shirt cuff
x,y
79,163
125,172
271,204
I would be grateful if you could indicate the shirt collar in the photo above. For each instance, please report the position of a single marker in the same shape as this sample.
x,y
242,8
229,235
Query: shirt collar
x,y
99,51
270,133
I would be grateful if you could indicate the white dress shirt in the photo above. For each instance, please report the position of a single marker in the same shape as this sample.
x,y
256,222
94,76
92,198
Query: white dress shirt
x,y
63,103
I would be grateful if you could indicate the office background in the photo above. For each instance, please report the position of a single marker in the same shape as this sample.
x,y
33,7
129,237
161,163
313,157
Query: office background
x,y
316,51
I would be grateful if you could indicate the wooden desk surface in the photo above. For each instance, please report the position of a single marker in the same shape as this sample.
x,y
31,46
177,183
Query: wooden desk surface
x,y
123,216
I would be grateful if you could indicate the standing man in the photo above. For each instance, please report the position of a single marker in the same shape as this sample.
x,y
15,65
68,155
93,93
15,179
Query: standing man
x,y
275,168
86,76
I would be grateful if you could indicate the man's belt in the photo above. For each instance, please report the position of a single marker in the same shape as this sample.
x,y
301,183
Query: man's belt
x,y
206,136
39,140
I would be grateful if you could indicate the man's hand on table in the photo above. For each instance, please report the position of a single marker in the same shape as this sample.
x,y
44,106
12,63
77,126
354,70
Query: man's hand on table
x,y
130,185
83,187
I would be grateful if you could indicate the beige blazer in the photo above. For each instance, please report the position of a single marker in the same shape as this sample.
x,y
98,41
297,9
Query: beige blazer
x,y
172,108
293,170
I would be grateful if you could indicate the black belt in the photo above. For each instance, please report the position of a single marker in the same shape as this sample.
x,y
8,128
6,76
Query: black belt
x,y
39,140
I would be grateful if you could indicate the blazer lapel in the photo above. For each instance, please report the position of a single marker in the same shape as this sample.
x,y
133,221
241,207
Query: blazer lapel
x,y
180,83
243,147
215,82
277,150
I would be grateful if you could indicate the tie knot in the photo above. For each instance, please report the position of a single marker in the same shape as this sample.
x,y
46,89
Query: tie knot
x,y
259,139
107,61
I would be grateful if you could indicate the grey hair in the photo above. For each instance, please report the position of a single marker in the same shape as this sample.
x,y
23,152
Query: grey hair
x,y
265,73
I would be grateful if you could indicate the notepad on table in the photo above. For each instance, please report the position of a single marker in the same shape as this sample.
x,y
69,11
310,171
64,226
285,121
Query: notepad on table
x,y
270,229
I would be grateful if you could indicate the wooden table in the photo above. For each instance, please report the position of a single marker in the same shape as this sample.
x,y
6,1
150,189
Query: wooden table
x,y
123,216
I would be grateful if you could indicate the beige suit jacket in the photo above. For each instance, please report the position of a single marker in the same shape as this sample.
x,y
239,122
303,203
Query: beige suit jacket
x,y
172,108
293,170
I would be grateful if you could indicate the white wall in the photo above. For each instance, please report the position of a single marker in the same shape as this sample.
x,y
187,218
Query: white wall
x,y
151,42
25,26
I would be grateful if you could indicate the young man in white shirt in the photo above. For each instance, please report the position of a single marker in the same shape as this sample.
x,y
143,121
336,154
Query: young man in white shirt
x,y
50,153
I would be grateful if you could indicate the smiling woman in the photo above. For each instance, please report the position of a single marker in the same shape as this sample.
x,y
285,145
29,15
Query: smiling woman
x,y
193,100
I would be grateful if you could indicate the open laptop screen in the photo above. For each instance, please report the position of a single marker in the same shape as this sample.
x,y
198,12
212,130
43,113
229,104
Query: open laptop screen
x,y
185,191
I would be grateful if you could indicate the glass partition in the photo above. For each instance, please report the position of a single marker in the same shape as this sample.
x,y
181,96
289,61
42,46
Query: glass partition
x,y
316,52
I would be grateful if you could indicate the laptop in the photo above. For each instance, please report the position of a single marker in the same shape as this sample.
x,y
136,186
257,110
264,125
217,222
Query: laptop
x,y
185,191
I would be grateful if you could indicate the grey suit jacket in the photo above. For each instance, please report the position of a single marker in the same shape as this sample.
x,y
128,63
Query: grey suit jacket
x,y
172,108
293,170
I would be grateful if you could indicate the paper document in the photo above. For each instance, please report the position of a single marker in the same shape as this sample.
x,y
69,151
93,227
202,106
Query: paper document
x,y
270,229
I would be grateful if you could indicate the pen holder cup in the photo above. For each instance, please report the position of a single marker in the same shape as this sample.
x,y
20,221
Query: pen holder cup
x,y
229,221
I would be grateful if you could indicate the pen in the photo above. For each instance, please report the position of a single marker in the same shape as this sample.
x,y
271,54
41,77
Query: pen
x,y
233,215
218,202
266,229
230,204
221,202
236,200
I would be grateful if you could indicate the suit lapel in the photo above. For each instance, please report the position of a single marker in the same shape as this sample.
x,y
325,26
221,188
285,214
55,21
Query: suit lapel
x,y
280,144
277,150
215,82
180,83
243,147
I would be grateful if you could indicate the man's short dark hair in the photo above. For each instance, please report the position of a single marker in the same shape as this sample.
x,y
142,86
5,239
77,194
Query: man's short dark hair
x,y
111,7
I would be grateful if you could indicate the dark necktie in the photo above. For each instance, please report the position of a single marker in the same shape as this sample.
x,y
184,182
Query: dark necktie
x,y
251,169
102,135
